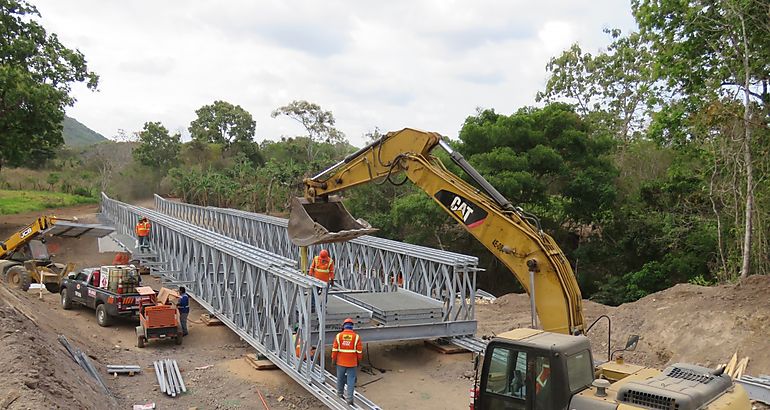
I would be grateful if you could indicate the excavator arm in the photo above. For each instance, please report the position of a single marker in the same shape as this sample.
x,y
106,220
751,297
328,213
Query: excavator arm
x,y
512,235
53,226
22,237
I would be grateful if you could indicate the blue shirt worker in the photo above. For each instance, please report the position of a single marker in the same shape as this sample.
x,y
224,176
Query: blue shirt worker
x,y
184,309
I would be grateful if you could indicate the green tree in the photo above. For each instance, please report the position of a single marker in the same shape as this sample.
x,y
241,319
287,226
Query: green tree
x,y
36,73
543,158
708,50
614,89
222,123
157,148
318,123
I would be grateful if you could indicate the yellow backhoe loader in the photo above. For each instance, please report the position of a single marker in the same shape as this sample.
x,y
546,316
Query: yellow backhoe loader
x,y
527,369
24,257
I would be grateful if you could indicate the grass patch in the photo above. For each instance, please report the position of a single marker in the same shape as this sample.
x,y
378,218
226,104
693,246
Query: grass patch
x,y
14,202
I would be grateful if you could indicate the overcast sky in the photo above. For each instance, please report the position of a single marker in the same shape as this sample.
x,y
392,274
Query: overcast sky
x,y
387,64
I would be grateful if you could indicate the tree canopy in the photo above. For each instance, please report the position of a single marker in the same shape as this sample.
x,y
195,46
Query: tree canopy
x,y
157,148
36,74
223,123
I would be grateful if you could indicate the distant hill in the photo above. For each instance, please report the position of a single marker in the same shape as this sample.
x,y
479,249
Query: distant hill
x,y
78,135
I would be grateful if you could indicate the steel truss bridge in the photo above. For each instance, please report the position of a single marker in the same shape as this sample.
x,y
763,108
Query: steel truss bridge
x,y
241,266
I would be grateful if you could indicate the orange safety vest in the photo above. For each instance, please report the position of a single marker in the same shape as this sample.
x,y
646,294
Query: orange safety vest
x,y
322,269
542,378
143,229
347,349
298,343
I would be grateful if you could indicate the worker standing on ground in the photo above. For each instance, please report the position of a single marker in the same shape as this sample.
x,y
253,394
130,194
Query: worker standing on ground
x,y
184,309
143,233
323,267
347,352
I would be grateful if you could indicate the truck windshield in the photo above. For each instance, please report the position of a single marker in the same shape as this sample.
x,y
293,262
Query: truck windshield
x,y
580,371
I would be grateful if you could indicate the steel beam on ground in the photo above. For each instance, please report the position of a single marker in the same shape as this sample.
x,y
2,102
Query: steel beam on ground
x,y
257,294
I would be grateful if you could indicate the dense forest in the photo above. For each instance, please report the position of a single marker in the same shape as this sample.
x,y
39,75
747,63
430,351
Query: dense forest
x,y
646,159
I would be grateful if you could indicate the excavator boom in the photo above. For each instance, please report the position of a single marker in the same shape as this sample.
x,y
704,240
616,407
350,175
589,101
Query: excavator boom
x,y
512,235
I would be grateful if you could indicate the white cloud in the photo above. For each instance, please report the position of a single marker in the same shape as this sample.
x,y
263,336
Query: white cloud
x,y
423,63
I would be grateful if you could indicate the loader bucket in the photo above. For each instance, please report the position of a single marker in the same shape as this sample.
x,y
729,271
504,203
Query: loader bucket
x,y
313,223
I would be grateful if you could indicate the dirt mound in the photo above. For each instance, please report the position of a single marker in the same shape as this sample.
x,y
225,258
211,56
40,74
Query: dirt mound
x,y
45,377
686,323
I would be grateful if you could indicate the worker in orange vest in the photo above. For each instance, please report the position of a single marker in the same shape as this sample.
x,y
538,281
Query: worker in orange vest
x,y
142,230
323,267
347,352
298,343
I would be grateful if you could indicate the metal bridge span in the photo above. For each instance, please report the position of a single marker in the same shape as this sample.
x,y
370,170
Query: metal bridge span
x,y
262,296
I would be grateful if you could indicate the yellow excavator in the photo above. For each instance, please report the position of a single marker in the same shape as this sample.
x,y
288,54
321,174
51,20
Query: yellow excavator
x,y
523,369
24,257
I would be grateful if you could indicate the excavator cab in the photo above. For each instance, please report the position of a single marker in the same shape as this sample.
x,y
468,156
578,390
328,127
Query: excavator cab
x,y
527,369
316,222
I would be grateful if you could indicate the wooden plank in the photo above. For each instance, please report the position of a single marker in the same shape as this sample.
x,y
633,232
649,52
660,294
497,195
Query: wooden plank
x,y
209,320
730,369
741,367
259,364
445,348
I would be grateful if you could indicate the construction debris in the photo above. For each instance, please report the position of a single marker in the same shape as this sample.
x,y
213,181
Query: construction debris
x,y
169,377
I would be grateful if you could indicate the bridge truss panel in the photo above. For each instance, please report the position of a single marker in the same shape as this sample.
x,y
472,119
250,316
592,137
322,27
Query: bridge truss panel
x,y
366,263
260,296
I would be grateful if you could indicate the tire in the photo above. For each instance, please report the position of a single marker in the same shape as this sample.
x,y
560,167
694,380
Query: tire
x,y
53,287
141,341
66,302
4,266
178,339
103,318
18,277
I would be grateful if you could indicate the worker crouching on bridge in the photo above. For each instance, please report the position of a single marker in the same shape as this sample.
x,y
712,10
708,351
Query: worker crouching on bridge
x,y
347,352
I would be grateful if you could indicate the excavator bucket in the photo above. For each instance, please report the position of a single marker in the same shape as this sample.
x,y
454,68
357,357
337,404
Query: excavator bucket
x,y
319,222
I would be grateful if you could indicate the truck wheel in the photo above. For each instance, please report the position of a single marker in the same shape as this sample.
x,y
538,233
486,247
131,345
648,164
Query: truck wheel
x,y
140,341
18,277
178,339
103,319
66,302
52,287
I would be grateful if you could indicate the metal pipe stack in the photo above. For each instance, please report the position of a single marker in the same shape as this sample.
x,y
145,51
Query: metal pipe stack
x,y
169,377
